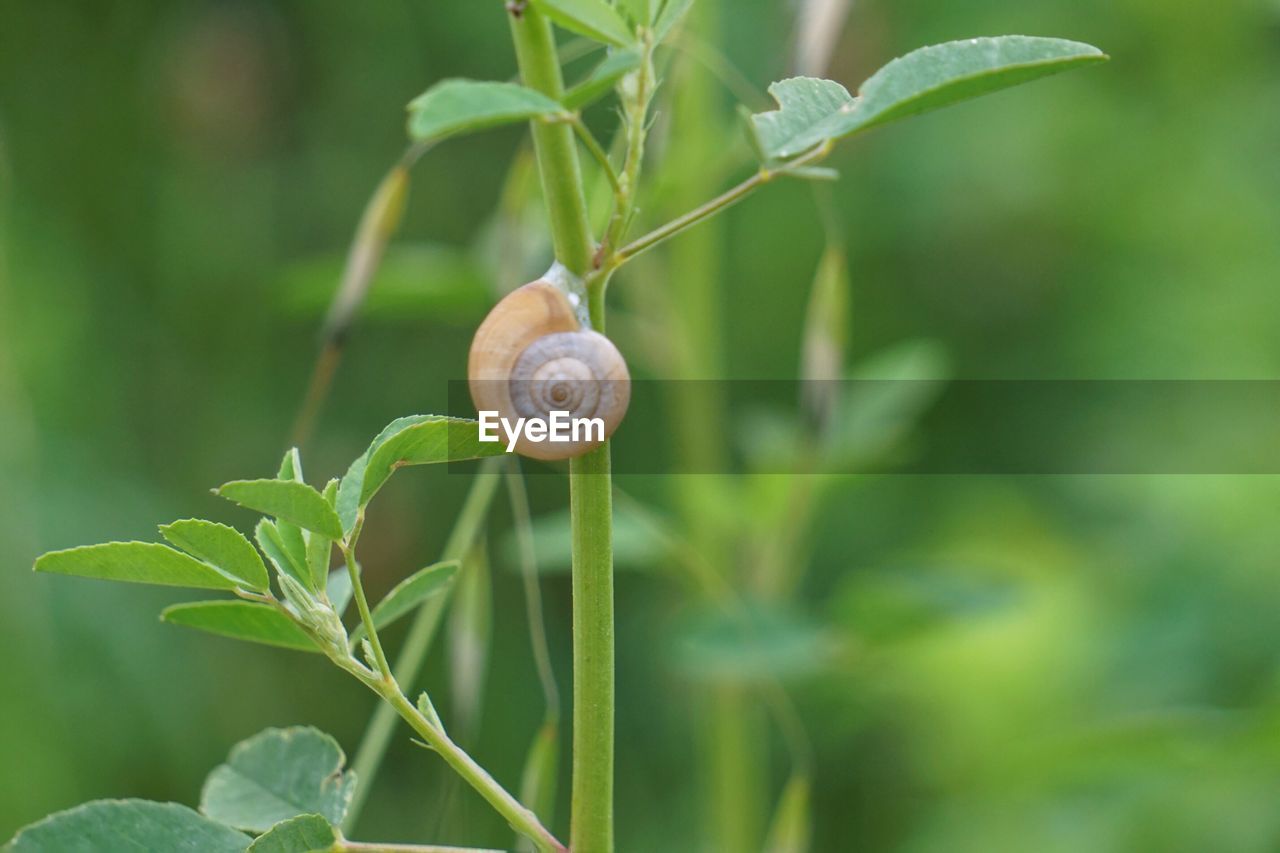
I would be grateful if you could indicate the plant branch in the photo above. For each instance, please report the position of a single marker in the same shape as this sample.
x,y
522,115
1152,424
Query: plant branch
x,y
362,604
597,153
715,205
377,736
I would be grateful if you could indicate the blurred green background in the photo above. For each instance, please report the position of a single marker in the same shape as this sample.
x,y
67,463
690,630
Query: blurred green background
x,y
1020,663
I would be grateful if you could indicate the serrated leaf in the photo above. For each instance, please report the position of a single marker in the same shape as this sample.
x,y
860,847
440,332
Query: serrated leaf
x,y
221,546
413,440
461,106
251,621
293,502
128,826
267,535
602,79
813,111
673,12
594,19
308,833
409,593
136,562
278,774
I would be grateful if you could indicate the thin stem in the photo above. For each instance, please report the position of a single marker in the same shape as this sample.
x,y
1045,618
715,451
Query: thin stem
x,y
597,153
532,593
377,736
715,205
635,111
362,604
521,819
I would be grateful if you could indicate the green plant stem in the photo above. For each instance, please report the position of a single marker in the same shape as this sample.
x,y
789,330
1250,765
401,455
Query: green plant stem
x,y
597,153
521,819
715,205
362,605
377,736
591,819
553,141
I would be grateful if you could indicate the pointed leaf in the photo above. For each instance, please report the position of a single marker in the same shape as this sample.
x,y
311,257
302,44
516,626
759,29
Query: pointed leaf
x,y
792,825
267,534
252,621
276,775
602,79
308,833
287,500
128,826
413,440
538,780
673,12
461,106
338,589
222,546
409,593
594,19
814,111
136,562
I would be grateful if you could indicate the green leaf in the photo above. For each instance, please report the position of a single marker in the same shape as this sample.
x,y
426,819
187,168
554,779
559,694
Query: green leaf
x,y
278,774
461,106
128,826
338,589
222,546
409,593
269,539
319,548
413,440
792,825
673,12
252,621
813,111
291,466
639,11
594,19
286,500
136,562
538,779
602,79
308,833
752,644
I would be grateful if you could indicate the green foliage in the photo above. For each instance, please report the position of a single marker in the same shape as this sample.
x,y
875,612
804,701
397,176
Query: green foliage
x,y
594,19
752,644
792,824
812,112
451,107
136,562
673,12
413,440
409,593
538,779
276,775
223,547
308,833
253,621
287,500
128,826
602,79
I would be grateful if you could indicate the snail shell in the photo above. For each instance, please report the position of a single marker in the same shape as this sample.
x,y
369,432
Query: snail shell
x,y
531,357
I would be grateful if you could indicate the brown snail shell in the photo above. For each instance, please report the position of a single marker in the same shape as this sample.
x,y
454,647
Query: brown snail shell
x,y
531,356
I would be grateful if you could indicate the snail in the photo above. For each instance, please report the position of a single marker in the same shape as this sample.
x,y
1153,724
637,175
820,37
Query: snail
x,y
532,356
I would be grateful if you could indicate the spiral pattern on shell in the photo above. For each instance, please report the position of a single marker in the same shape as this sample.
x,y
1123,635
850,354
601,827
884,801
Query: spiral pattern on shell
x,y
530,357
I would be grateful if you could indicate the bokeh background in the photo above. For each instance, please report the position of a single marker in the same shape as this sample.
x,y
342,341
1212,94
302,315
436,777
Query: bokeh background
x,y
976,663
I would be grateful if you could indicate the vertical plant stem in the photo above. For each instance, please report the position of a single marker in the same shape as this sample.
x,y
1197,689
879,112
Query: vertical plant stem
x,y
590,504
377,736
